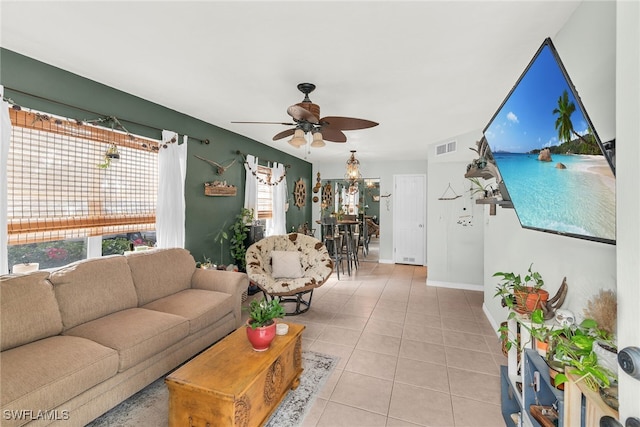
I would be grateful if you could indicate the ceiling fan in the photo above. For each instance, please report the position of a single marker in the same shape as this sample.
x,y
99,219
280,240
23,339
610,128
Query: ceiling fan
x,y
306,118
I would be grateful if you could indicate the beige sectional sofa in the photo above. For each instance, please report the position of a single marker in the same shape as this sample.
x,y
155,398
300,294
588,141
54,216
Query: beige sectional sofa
x,y
77,341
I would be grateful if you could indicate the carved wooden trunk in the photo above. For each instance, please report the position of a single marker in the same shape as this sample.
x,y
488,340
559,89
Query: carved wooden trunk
x,y
230,384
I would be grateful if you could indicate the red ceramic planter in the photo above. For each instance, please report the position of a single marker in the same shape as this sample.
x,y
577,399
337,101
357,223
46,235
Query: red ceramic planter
x,y
260,338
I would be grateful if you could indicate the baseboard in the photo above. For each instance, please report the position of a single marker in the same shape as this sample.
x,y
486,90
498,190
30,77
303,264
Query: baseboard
x,y
490,318
453,285
385,261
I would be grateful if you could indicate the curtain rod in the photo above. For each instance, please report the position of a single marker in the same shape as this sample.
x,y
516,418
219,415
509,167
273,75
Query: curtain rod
x,y
244,155
9,100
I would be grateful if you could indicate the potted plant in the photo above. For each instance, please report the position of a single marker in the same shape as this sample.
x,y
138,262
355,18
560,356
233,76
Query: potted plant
x,y
603,309
572,351
477,187
523,295
206,263
220,237
540,332
575,352
261,325
239,232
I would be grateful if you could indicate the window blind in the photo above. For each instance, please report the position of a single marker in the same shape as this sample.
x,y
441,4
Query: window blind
x,y
265,193
57,191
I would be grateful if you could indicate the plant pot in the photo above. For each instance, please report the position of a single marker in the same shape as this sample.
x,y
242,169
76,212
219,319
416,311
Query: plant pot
x,y
552,378
261,337
542,347
529,299
609,396
607,356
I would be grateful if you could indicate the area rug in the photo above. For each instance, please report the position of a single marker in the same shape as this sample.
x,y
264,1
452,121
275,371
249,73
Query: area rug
x,y
152,403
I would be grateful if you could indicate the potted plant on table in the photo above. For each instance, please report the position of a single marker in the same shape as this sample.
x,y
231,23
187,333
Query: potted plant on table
x,y
261,325
521,294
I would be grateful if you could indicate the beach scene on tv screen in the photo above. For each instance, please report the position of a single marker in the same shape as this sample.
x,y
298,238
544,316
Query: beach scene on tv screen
x,y
549,157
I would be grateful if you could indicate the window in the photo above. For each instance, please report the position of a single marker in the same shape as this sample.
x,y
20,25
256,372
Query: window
x,y
60,189
265,193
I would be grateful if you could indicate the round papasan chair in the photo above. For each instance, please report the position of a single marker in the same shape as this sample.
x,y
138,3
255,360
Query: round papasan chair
x,y
289,266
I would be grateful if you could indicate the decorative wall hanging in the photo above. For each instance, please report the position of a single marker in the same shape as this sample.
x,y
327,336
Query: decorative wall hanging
x,y
318,185
300,193
261,180
219,188
220,169
327,195
449,194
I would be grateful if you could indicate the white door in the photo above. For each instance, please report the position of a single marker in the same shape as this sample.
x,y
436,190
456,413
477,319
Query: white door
x,y
409,219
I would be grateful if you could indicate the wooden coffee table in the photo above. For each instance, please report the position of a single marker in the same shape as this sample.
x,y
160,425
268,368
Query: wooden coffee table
x,y
230,384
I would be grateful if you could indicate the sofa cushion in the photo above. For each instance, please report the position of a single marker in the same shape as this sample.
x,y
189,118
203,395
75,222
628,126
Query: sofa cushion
x,y
29,310
46,373
92,288
160,272
202,308
136,333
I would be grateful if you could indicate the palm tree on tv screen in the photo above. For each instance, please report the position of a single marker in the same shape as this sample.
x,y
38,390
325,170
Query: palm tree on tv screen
x,y
564,125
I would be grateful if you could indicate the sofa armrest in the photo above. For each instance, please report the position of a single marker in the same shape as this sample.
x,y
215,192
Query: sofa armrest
x,y
229,282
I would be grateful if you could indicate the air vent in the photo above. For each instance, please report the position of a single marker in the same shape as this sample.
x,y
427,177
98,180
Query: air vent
x,y
408,259
448,147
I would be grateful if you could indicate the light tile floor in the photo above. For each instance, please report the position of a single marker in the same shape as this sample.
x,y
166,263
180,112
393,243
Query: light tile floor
x,y
410,355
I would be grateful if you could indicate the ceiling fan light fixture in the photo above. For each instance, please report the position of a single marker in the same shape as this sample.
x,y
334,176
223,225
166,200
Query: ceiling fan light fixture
x,y
298,139
317,140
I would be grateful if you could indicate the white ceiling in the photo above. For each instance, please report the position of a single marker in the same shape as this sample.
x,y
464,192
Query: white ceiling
x,y
425,70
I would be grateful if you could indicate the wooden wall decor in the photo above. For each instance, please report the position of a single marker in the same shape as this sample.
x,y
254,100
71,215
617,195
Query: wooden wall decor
x,y
219,188
300,193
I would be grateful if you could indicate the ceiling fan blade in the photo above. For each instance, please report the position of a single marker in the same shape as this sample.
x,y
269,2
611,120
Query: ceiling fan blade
x,y
269,123
301,114
346,123
284,134
333,135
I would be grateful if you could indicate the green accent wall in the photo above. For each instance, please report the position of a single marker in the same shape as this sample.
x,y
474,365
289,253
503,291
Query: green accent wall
x,y
63,93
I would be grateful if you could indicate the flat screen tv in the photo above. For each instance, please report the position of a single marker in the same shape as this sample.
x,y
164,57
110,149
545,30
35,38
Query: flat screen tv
x,y
558,174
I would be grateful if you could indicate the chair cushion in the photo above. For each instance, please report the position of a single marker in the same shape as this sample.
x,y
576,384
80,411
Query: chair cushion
x,y
29,310
44,374
285,264
136,333
201,307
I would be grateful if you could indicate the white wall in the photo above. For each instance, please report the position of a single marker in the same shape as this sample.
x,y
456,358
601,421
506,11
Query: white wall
x,y
585,45
628,200
385,171
455,252
599,46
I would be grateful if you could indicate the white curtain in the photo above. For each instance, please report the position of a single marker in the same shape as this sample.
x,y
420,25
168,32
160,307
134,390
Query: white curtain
x,y
5,137
251,184
278,223
170,211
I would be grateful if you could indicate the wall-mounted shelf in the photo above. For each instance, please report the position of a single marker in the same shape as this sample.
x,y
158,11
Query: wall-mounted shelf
x,y
494,201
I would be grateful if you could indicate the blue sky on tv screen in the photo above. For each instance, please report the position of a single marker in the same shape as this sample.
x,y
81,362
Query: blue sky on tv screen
x,y
526,120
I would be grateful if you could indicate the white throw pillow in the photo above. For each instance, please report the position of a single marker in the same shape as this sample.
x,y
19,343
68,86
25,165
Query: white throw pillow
x,y
285,264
